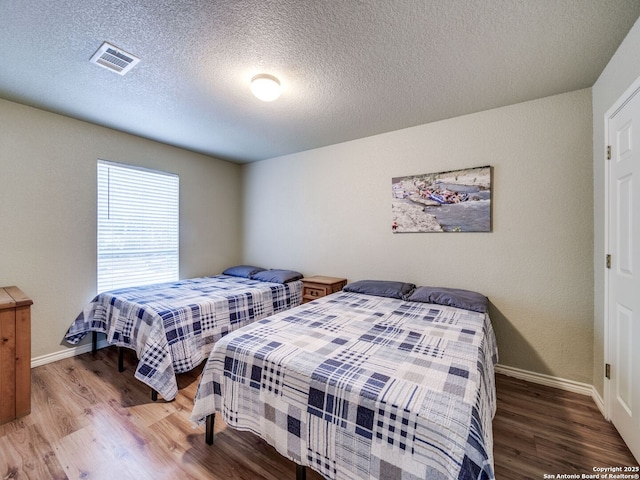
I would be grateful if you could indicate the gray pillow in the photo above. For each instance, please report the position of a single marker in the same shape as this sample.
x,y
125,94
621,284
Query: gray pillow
x,y
381,288
242,271
453,297
277,276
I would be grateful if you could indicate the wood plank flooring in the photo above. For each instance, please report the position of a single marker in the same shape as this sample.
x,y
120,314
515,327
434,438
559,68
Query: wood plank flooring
x,y
88,421
541,430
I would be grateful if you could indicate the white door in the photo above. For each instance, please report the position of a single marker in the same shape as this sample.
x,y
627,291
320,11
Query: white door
x,y
624,274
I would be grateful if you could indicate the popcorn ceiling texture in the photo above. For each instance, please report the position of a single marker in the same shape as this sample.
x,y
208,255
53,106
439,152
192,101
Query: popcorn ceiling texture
x,y
349,69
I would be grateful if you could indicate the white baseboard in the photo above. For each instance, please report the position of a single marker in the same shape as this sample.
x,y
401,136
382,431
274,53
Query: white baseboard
x,y
66,353
599,402
556,382
548,380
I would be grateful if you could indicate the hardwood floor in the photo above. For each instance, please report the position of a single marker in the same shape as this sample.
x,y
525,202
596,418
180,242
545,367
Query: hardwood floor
x,y
541,430
90,422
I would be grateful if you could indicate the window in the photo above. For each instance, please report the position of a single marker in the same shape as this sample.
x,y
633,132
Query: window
x,y
137,226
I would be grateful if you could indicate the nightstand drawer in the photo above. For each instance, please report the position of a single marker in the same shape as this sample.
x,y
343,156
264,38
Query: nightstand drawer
x,y
318,287
315,292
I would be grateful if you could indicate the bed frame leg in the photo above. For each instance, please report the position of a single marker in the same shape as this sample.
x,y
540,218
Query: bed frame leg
x,y
94,342
208,436
301,472
120,359
154,395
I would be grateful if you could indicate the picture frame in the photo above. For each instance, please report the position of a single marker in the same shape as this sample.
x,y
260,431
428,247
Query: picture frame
x,y
451,201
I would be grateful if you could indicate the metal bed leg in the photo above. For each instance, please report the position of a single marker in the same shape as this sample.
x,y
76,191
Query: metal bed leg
x,y
120,359
154,393
208,436
94,342
301,472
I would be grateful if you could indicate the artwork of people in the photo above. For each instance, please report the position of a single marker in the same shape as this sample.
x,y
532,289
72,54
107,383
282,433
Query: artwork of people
x,y
455,201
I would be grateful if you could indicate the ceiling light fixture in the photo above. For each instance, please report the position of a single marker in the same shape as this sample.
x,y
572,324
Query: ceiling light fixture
x,y
266,87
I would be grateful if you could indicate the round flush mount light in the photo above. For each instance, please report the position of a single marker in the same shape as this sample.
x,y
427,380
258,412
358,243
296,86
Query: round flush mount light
x,y
266,87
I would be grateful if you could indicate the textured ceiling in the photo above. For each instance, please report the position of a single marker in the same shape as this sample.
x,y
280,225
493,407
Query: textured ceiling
x,y
349,69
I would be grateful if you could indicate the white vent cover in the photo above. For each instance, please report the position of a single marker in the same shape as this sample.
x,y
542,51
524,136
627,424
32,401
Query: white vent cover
x,y
111,57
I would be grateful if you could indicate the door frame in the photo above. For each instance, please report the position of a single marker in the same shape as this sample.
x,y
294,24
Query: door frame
x,y
626,97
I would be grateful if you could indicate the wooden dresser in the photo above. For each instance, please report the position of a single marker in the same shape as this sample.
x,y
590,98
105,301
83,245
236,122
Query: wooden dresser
x,y
15,354
319,286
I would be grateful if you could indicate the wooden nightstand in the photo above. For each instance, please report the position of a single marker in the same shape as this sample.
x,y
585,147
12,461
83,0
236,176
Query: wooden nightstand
x,y
319,286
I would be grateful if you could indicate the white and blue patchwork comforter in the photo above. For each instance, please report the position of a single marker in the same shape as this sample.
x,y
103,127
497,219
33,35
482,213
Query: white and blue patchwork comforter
x,y
362,387
173,326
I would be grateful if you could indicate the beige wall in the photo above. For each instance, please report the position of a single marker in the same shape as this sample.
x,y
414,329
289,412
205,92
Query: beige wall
x,y
328,212
623,69
48,211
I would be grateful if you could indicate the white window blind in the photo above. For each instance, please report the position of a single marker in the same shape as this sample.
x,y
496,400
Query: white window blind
x,y
137,226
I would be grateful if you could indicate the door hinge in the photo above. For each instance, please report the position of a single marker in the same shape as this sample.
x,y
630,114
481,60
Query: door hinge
x,y
607,371
608,260
608,152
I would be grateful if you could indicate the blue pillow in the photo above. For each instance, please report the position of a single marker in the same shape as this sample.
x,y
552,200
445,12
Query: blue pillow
x,y
381,288
277,276
242,271
453,297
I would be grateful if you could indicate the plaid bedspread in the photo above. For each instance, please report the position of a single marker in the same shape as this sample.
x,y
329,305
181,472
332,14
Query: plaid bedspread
x,y
173,326
362,387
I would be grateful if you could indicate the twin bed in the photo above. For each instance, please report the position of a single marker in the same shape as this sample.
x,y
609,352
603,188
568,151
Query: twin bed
x,y
173,326
382,380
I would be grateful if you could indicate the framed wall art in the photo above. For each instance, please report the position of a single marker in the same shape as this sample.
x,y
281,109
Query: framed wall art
x,y
455,201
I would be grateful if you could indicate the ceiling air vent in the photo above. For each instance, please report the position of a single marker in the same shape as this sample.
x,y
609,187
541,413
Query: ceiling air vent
x,y
111,57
